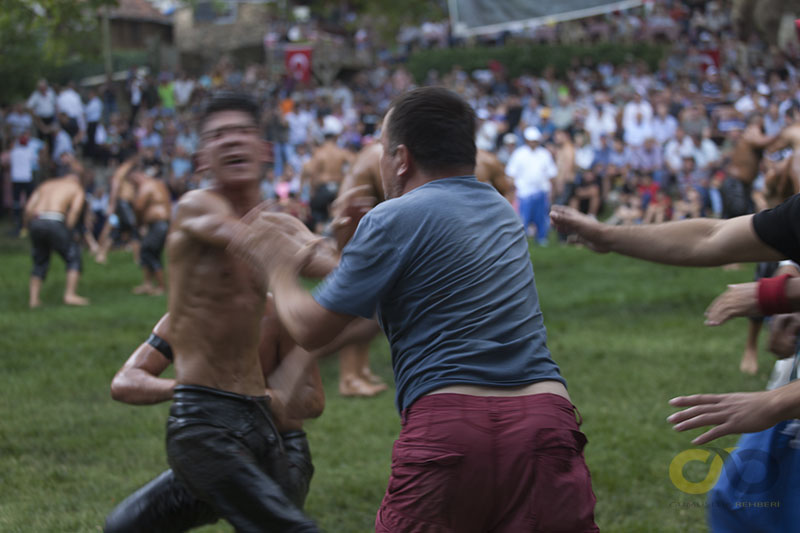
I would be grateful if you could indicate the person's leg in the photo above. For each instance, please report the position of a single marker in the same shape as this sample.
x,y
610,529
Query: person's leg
x,y
526,205
301,469
34,289
749,363
164,505
40,253
542,217
229,454
70,251
351,363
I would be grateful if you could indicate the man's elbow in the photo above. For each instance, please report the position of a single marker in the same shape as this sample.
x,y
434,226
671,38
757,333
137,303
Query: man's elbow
x,y
120,391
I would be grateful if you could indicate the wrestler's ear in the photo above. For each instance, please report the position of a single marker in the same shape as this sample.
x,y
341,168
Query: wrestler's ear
x,y
201,161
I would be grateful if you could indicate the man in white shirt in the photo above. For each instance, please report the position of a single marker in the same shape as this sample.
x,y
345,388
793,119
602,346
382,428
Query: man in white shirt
x,y
183,88
532,168
22,160
94,113
664,125
42,104
637,106
18,121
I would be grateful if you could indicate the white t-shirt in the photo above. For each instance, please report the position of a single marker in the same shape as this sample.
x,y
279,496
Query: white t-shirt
x,y
22,162
43,105
531,169
19,123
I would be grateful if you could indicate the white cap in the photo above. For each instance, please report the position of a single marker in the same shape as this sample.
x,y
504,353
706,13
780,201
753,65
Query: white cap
x,y
510,138
331,125
532,133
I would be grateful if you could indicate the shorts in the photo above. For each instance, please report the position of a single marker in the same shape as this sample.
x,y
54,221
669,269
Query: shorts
x,y
321,201
153,245
736,198
126,219
225,449
166,505
49,235
470,464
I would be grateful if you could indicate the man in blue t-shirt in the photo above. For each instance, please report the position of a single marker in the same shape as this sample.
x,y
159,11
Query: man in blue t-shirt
x,y
490,440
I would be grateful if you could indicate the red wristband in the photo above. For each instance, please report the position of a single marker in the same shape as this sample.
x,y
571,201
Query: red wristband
x,y
772,298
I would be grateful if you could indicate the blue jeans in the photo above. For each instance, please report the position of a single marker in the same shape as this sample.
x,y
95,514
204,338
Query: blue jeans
x,y
535,209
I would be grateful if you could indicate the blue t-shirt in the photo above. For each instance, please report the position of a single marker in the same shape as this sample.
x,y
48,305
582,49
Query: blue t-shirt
x,y
447,268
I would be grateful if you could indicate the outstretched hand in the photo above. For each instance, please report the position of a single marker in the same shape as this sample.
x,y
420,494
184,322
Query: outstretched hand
x,y
737,412
740,299
572,222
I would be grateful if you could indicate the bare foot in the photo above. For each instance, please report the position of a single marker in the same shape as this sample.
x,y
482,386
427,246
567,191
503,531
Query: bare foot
x,y
157,291
733,267
749,364
76,300
357,387
100,258
367,375
33,304
144,288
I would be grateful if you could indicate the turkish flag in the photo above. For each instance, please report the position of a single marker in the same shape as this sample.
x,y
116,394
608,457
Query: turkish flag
x,y
298,62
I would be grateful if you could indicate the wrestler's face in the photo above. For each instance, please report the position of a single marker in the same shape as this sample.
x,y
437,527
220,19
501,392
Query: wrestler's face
x,y
231,148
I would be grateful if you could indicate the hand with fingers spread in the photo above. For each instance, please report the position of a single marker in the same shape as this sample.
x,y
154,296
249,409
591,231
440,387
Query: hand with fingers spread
x,y
572,222
347,210
738,412
740,299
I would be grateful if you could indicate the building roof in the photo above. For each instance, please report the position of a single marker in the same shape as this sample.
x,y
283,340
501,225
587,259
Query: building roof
x,y
139,10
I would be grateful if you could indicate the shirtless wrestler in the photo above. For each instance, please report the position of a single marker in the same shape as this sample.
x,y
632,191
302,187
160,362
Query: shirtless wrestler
x,y
325,172
743,169
152,207
120,214
222,442
165,504
51,215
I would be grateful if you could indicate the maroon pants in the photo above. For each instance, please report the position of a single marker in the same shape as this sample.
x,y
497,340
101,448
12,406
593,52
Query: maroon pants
x,y
469,464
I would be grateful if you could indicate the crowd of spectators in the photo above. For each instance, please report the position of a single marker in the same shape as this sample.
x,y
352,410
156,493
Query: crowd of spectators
x,y
627,141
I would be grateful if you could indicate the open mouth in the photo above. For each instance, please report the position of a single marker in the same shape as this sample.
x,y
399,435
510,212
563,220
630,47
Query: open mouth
x,y
234,161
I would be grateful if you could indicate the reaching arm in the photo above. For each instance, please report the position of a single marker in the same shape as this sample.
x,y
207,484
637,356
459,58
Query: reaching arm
x,y
75,207
137,382
692,242
737,412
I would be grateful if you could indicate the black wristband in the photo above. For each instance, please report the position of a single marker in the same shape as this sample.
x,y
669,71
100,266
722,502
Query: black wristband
x,y
161,345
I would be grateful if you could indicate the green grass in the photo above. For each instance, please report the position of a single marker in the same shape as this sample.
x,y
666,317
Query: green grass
x,y
628,336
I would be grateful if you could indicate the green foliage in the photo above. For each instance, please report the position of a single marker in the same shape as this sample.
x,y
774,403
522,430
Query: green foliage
x,y
521,59
627,335
38,36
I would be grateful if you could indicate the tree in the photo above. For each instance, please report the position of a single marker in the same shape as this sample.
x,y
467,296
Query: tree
x,y
38,36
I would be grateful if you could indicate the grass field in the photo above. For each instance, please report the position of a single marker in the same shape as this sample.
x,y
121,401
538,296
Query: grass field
x,y
628,336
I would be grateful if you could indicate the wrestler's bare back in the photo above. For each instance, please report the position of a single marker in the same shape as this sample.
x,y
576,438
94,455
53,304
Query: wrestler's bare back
x,y
366,170
215,303
57,195
328,164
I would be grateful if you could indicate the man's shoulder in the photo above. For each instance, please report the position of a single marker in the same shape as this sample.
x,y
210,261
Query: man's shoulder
x,y
200,202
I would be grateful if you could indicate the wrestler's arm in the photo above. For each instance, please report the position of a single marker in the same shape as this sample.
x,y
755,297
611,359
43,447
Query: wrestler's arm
x,y
75,207
741,299
137,382
207,218
116,182
692,242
